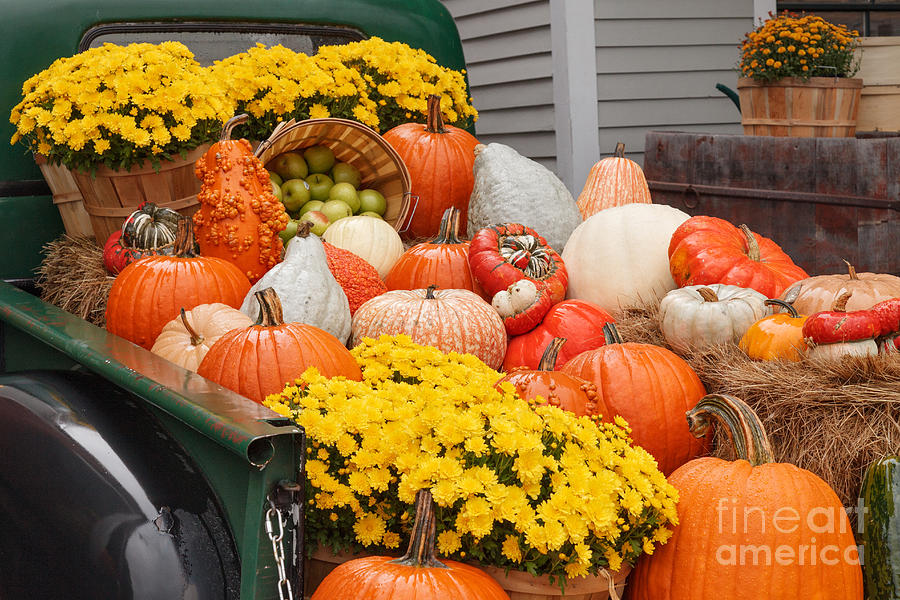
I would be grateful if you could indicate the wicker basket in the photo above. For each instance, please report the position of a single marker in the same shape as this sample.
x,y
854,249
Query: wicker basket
x,y
110,196
66,197
379,164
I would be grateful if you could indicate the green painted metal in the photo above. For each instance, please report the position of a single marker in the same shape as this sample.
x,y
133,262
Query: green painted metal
x,y
28,222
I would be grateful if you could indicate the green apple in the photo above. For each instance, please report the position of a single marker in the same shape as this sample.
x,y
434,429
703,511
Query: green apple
x,y
318,220
319,159
276,178
311,205
336,209
345,193
289,231
343,172
294,194
319,186
289,165
276,189
372,201
369,213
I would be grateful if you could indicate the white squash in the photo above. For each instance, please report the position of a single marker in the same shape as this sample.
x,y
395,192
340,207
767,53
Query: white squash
x,y
510,188
371,239
619,257
187,338
836,351
697,316
308,291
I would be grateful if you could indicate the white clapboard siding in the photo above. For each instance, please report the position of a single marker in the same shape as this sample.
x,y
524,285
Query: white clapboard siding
x,y
658,63
507,47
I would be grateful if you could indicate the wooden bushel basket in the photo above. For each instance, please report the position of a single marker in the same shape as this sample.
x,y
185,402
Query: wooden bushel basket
x,y
818,107
66,197
110,196
379,164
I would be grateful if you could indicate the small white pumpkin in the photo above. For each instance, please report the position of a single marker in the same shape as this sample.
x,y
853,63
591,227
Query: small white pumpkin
x,y
371,239
697,316
516,298
836,351
187,338
619,257
510,188
308,291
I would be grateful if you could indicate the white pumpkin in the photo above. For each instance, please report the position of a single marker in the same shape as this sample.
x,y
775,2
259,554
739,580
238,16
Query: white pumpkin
x,y
697,316
308,291
373,240
187,338
836,351
510,188
619,257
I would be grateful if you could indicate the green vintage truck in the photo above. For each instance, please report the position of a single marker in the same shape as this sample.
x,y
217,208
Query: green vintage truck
x,y
123,475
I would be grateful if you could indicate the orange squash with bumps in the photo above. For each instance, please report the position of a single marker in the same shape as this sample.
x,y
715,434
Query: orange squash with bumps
x,y
239,217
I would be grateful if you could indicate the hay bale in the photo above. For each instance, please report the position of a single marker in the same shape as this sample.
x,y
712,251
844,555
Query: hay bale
x,y
72,277
831,418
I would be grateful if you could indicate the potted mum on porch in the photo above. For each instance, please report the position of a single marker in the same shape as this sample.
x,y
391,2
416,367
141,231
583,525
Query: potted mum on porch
x,y
797,78
534,495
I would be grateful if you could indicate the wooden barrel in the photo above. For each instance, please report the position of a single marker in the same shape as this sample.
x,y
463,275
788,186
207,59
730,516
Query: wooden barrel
x,y
110,196
879,103
66,197
818,107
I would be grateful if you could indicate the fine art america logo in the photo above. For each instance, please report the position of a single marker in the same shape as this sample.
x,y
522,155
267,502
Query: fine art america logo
x,y
803,538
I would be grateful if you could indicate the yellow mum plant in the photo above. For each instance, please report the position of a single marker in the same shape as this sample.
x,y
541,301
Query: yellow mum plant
x,y
119,106
521,486
798,45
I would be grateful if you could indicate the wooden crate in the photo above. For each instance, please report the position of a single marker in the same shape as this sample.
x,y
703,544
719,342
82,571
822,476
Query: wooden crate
x,y
822,199
879,106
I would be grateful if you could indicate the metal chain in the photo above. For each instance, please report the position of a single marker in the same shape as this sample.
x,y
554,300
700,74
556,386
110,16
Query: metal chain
x,y
284,586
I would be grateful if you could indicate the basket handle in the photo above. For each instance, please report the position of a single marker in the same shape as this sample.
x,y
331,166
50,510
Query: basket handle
x,y
415,204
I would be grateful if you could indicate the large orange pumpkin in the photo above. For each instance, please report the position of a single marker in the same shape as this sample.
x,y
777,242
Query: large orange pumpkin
x,y
450,320
751,528
239,217
442,261
568,392
259,360
440,159
815,294
150,292
651,387
417,575
705,250
613,181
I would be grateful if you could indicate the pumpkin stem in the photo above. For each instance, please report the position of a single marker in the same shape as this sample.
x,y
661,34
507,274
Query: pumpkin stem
x,y
420,552
270,314
196,338
785,305
548,358
851,270
429,293
840,303
303,229
184,238
231,124
620,150
744,429
449,230
435,120
708,294
612,334
752,244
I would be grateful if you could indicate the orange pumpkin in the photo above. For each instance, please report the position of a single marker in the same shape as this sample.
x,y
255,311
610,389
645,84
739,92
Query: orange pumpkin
x,y
651,387
150,292
259,360
705,250
751,528
440,159
613,181
818,293
557,388
442,261
239,217
450,320
358,279
778,336
417,575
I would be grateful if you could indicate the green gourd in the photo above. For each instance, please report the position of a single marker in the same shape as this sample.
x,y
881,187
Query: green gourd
x,y
880,494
